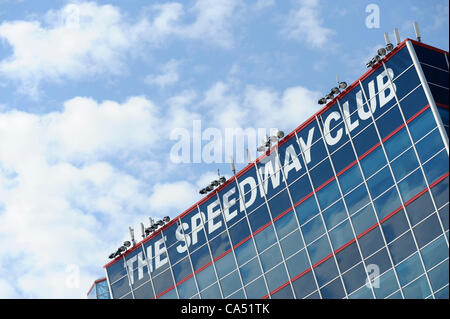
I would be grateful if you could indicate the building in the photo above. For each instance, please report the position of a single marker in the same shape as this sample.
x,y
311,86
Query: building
x,y
351,204
99,290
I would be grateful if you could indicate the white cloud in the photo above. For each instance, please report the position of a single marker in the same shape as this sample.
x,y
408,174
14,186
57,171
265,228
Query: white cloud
x,y
168,76
304,24
176,196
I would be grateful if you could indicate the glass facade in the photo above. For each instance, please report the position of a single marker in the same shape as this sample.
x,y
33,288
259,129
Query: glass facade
x,y
99,290
352,204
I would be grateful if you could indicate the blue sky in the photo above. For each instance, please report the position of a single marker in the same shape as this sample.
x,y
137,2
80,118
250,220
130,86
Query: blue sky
x,y
91,92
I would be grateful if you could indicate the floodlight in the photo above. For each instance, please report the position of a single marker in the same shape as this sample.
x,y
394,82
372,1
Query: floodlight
x,y
322,101
381,51
127,243
209,188
203,191
329,96
335,90
166,219
273,139
280,134
377,59
121,249
214,183
112,256
342,85
160,222
389,47
261,148
222,180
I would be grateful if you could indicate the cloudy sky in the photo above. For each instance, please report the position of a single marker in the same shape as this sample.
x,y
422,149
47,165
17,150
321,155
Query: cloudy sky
x,y
92,95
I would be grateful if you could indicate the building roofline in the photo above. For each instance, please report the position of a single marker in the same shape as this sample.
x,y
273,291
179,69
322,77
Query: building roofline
x,y
95,282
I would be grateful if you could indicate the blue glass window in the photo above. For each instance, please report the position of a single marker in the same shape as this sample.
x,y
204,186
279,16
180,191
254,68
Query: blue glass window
x,y
436,167
364,219
206,277
413,103
402,247
239,232
420,208
304,285
298,263
318,151
429,145
343,157
334,214
220,245
319,250
389,122
407,82
419,289
328,195
300,188
326,271
182,269
280,203
387,203
381,260
440,192
286,224
259,217
365,140
440,94
443,214
409,269
427,230
144,292
171,294
250,271
265,238
435,252
313,229
276,277
285,293
341,235
380,182
257,289
422,124
431,57
230,283
200,257
362,293
357,199
355,278
435,76
371,242
245,252
187,289
212,292
237,295
388,284
306,210
162,282
439,276
120,288
271,257
412,185
350,179
116,271
348,257
334,290
397,144
225,265
399,62
395,226
291,244
373,162
321,173
406,163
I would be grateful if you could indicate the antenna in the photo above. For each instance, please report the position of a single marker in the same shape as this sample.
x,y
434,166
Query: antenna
x,y
386,38
397,36
249,160
132,235
416,29
233,168
151,221
142,230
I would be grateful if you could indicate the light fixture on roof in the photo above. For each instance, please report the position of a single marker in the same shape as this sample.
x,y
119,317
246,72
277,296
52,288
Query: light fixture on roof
x,y
342,85
322,101
416,29
166,219
267,143
215,183
126,243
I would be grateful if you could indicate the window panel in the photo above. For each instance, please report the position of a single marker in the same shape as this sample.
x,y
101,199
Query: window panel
x,y
357,199
387,203
362,293
365,140
335,214
364,219
440,192
422,124
313,229
440,94
230,283
270,257
213,217
389,122
341,235
348,257
245,252
297,263
205,277
435,252
257,289
439,276
319,151
250,271
326,271
430,57
443,213
171,294
328,195
163,282
259,217
409,269
334,290
442,294
300,189
265,238
380,182
395,226
412,185
304,285
285,293
286,224
373,162
381,260
429,145
200,257
350,179
306,210
355,278
276,277
407,82
291,244
419,289
144,292
420,208
406,163
436,167
319,250
116,271
399,62
388,284
427,230
187,289
280,203
237,295
120,287
343,157
212,292
435,76
413,103
225,265
397,144
321,173
220,245
371,242
239,231
182,269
